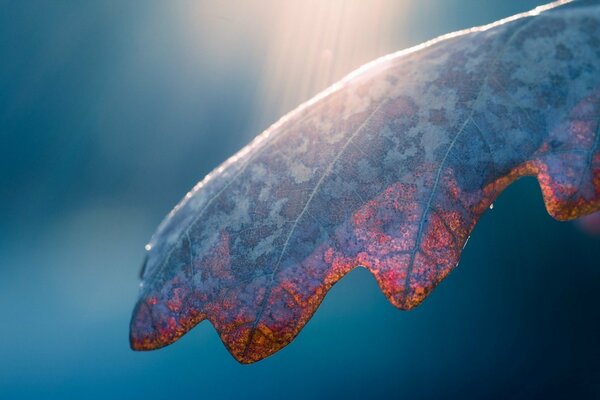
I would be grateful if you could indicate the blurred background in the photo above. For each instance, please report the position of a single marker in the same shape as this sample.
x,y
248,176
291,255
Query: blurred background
x,y
110,111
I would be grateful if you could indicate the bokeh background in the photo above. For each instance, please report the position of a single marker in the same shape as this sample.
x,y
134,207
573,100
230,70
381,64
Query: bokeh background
x,y
111,110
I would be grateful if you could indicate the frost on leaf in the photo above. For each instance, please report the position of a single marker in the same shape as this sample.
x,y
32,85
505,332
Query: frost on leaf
x,y
389,169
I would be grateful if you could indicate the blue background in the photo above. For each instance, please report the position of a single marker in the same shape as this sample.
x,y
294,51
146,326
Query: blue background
x,y
110,111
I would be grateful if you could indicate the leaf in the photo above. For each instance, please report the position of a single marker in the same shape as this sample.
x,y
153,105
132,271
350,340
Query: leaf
x,y
389,169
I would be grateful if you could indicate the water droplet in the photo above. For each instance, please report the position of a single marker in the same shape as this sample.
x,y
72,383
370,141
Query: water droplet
x,y
148,247
466,241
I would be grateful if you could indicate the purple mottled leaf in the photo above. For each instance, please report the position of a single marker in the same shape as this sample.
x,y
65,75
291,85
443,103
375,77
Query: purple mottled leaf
x,y
389,169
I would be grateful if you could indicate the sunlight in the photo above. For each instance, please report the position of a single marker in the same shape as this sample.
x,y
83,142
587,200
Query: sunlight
x,y
306,45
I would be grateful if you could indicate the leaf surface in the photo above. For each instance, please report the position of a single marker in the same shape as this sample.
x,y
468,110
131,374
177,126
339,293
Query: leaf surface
x,y
389,169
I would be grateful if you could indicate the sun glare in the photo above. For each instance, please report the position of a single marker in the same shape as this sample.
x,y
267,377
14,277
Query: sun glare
x,y
305,45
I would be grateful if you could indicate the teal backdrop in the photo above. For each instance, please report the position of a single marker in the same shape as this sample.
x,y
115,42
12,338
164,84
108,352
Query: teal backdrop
x,y
111,110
